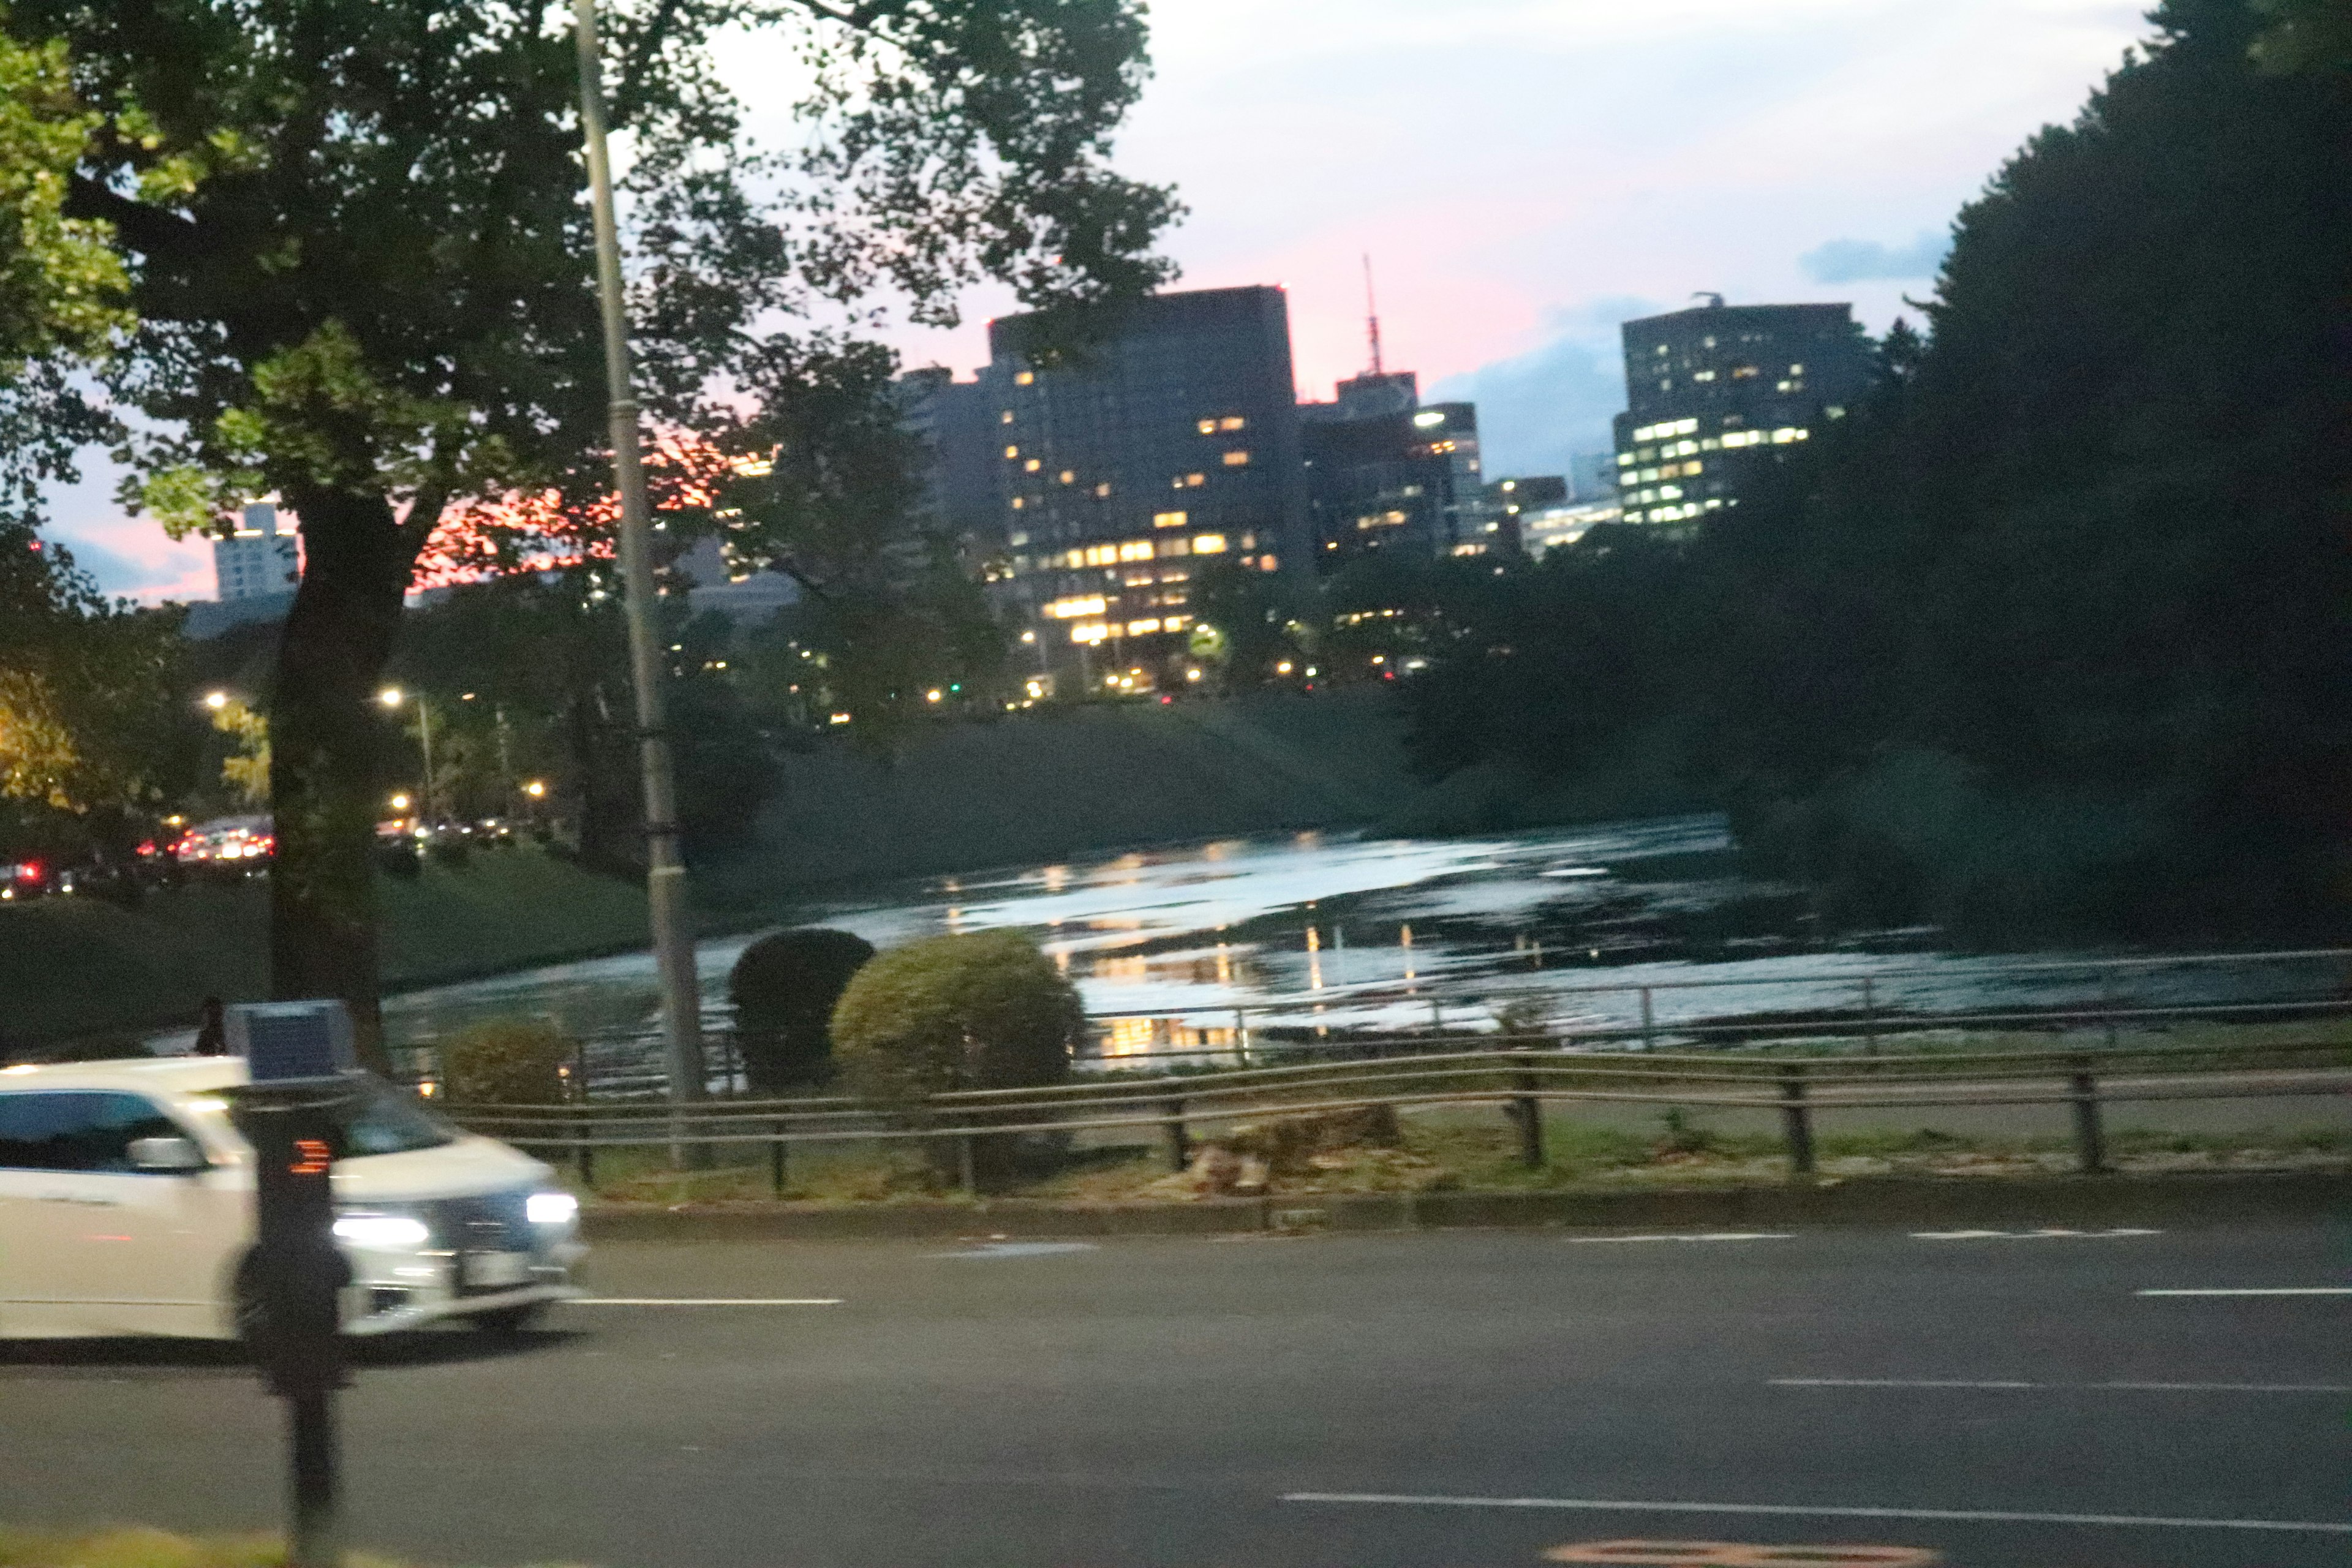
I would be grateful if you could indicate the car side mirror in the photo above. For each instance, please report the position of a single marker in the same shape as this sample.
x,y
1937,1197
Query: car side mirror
x,y
168,1154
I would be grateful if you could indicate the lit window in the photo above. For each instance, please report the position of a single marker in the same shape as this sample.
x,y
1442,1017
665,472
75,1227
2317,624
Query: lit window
x,y
1645,477
1783,386
1177,624
1625,460
1194,481
1269,562
1208,544
1710,445
1670,492
1032,466
1428,417
1175,547
1089,632
1005,417
1168,519
1135,549
1237,459
1011,451
1704,375
1017,503
1783,436
1062,609
1662,348
1682,428
1142,627
1102,554
1648,454
1137,579
1025,378
1232,422
1102,490
1796,370
1834,411
1686,447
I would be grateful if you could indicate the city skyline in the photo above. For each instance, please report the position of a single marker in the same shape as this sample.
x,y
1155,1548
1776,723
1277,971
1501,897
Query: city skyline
x,y
1528,176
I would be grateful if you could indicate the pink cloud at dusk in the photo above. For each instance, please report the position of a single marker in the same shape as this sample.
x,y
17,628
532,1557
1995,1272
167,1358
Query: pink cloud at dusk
x,y
1526,174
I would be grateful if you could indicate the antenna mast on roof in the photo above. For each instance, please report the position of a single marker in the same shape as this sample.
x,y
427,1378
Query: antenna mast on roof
x,y
1371,313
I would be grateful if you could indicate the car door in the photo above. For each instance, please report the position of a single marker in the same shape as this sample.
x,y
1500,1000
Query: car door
x,y
95,1245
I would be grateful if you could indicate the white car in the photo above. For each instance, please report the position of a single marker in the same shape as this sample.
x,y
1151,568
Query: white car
x,y
126,1207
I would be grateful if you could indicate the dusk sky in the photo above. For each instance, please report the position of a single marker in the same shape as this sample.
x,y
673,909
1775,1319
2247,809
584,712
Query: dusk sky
x,y
1526,174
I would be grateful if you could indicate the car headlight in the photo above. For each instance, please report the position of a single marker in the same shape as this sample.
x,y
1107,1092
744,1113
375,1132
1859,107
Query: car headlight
x,y
551,1208
382,1230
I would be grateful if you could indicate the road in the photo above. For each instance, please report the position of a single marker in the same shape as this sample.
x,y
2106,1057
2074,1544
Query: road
x,y
1455,1400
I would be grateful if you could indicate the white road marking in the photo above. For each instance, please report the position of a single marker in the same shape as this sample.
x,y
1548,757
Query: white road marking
x,y
2048,1231
2118,1386
1798,1511
2266,1291
1020,1249
1691,1235
705,1301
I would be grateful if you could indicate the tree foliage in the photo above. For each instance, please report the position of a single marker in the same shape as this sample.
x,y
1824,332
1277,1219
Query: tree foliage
x,y
2054,627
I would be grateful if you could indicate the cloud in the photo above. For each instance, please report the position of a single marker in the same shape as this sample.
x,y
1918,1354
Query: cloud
x,y
1541,411
1856,260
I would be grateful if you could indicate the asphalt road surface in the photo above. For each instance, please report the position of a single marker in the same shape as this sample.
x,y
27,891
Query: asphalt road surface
x,y
1464,1400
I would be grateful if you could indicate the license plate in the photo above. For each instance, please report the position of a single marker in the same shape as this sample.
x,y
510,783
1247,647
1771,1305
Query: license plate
x,y
498,1268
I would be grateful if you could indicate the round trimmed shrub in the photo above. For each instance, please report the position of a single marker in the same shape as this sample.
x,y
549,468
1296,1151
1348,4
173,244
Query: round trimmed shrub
x,y
986,1011
506,1061
785,987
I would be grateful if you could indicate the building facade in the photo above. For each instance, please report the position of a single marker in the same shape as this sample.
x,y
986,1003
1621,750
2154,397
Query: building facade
x,y
1386,474
1174,445
256,561
1717,397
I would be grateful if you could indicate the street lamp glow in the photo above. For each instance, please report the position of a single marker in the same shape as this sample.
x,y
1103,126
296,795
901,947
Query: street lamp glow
x,y
215,700
400,803
535,789
390,696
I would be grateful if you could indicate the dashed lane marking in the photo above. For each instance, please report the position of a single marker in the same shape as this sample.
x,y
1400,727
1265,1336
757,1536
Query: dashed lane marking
x,y
1691,1236
2116,1387
2047,1232
1020,1249
705,1301
2263,1291
1800,1510
1741,1554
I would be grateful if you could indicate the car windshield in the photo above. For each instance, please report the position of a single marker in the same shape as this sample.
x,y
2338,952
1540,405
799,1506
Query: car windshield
x,y
382,1120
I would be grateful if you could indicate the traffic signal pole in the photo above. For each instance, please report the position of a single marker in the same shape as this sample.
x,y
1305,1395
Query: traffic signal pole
x,y
681,988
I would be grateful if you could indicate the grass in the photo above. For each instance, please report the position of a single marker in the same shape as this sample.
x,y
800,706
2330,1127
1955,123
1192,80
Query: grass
x,y
140,1548
1466,1151
79,968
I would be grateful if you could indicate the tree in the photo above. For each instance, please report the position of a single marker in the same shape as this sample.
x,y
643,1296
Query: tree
x,y
363,278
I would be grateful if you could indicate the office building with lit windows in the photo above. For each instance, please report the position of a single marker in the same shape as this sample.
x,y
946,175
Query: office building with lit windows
x,y
1385,474
256,562
1718,395
1174,445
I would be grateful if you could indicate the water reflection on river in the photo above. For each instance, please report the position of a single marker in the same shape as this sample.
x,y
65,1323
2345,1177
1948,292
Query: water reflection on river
x,y
1336,931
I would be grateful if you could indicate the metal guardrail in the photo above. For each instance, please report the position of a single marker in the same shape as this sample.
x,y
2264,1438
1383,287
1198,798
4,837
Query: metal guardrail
x,y
1520,1081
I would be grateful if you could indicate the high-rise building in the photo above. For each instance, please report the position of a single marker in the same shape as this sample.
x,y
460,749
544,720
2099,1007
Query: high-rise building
x,y
1718,394
256,561
1381,478
1171,446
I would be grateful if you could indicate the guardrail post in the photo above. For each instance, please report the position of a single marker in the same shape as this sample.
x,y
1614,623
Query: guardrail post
x,y
2090,1140
967,1165
1649,1022
776,1157
1436,1017
1797,1120
1527,1111
584,1152
1180,1146
1241,1032
1869,1016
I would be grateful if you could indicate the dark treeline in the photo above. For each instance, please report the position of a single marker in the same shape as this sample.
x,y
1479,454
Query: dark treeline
x,y
2051,632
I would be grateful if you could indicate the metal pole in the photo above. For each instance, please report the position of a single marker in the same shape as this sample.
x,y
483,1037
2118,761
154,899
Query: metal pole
x,y
1797,1120
665,869
424,733
1179,1143
1649,1022
2090,1140
1527,1111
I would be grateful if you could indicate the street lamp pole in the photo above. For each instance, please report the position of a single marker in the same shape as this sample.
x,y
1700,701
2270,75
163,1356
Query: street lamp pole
x,y
666,870
425,735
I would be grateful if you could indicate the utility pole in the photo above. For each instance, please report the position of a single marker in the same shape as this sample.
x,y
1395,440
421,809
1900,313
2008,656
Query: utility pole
x,y
681,988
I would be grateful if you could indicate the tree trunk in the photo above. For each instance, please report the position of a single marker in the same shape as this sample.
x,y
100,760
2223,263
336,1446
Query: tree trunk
x,y
326,737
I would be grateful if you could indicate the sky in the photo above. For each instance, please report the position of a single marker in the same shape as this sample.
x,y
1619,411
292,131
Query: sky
x,y
1525,174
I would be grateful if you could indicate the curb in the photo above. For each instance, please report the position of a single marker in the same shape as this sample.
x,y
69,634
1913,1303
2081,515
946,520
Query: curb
x,y
2068,1200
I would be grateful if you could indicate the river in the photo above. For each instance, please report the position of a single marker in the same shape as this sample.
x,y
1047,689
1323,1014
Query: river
x,y
1606,927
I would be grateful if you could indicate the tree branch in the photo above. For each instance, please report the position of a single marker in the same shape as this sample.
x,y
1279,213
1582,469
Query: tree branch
x,y
151,231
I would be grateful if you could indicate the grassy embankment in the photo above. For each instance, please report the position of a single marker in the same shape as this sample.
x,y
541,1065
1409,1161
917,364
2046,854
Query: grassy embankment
x,y
75,969
132,1548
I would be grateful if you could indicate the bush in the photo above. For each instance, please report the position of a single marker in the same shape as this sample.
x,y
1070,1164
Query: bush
x,y
956,1012
507,1061
785,987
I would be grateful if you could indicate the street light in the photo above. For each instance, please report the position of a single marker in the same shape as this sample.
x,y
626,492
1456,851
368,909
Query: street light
x,y
400,803
536,790
215,700
665,864
393,697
